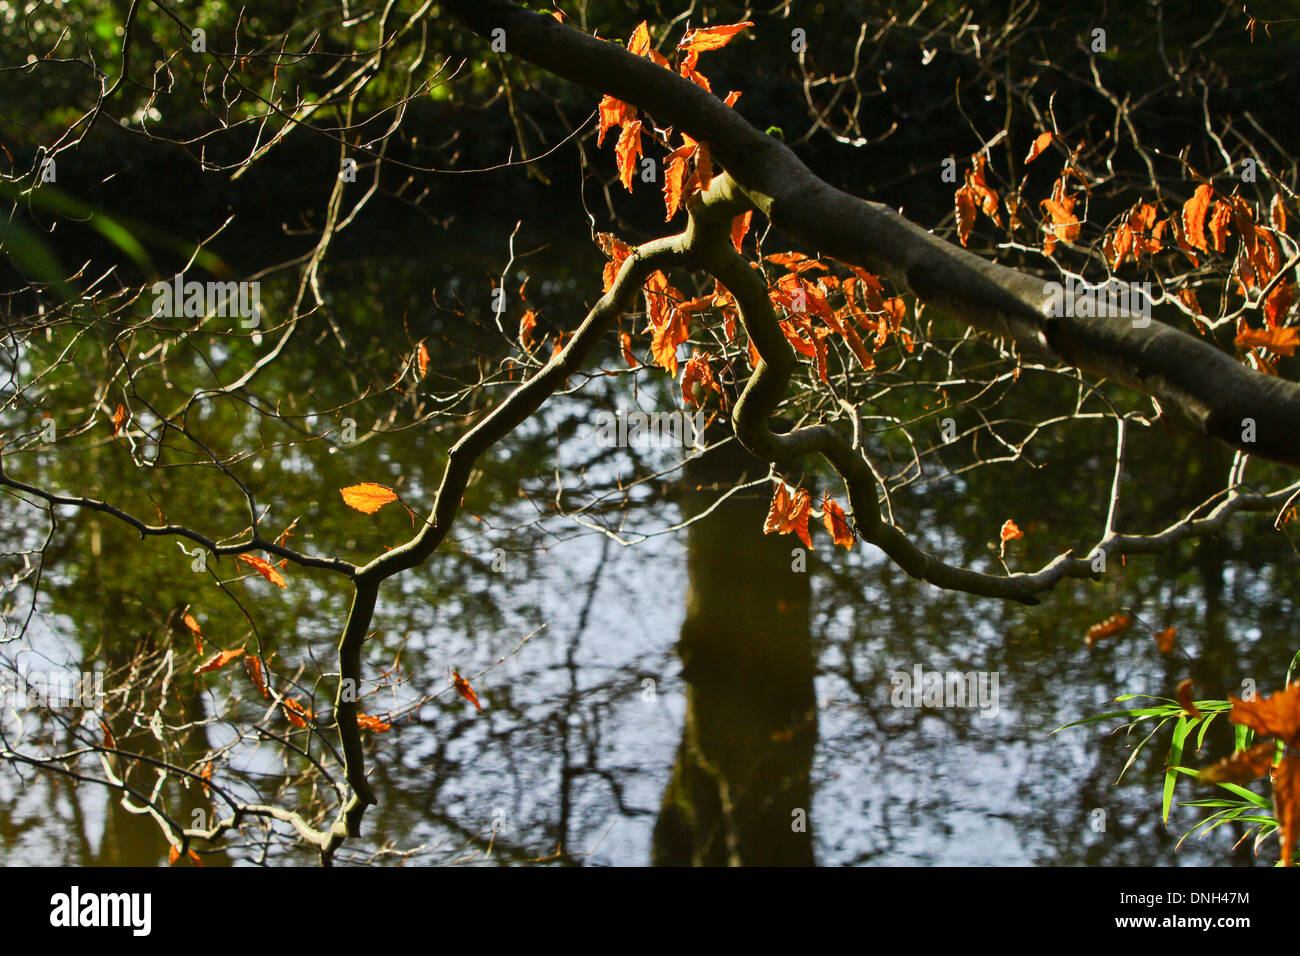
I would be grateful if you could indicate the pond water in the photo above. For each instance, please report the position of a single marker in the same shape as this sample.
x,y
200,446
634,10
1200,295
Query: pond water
x,y
656,692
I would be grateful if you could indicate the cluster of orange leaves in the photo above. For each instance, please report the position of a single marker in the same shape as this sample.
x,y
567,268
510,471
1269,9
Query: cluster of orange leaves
x,y
1201,225
615,112
790,513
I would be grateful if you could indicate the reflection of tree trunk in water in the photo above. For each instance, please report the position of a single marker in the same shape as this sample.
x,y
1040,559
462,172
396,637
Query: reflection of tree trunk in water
x,y
136,839
741,789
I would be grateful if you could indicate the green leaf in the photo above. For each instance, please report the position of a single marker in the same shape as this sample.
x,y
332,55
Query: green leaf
x,y
1171,775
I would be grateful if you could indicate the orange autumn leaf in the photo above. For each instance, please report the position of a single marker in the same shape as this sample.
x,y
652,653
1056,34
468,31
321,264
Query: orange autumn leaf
x,y
732,97
265,569
422,359
218,660
1010,532
740,226
367,497
1277,214
638,44
697,378
711,38
1115,624
1188,298
366,722
1118,245
1277,716
1184,697
1165,639
1243,766
1219,226
1277,306
109,741
1065,226
1040,143
253,667
1194,213
613,112
965,205
1286,803
628,151
193,626
988,199
173,854
617,250
205,775
119,419
1281,341
686,67
702,178
463,688
527,324
789,514
836,523
194,857
675,177
626,341
297,714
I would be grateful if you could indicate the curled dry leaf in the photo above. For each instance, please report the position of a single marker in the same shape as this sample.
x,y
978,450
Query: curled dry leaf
x,y
218,661
193,626
1165,639
1281,341
375,724
1041,143
1115,624
1243,766
1184,697
265,569
119,419
253,667
789,514
838,525
1277,716
463,688
965,204
367,497
297,714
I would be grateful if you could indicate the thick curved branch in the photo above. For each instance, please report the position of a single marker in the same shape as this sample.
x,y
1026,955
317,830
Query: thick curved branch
x,y
1198,384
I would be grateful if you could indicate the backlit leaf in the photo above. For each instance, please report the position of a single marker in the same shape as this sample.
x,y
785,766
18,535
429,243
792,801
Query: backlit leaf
x,y
367,497
1194,213
1040,143
1281,341
218,660
265,569
712,38
1243,766
627,152
836,523
1277,716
